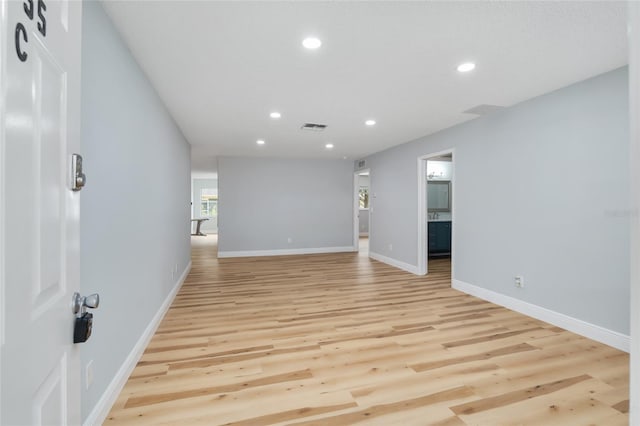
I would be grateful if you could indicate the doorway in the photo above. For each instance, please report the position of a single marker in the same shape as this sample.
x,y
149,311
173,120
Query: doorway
x,y
361,209
204,204
436,222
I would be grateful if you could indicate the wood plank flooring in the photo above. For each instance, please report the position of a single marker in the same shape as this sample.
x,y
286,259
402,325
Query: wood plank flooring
x,y
339,339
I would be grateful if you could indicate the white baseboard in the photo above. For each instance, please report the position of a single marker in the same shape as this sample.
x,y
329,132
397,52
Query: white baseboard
x,y
583,328
285,252
393,262
98,415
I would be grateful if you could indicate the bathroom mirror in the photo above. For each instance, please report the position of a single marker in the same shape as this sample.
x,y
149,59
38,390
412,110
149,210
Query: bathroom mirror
x,y
439,196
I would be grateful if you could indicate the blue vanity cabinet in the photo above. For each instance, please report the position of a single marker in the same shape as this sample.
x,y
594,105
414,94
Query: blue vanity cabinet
x,y
439,238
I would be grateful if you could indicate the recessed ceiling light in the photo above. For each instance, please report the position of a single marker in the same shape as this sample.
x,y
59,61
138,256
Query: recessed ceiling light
x,y
275,114
466,67
329,146
370,122
311,42
260,142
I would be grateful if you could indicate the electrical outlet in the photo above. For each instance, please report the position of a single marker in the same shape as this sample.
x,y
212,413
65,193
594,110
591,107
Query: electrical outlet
x,y
519,281
289,240
390,247
88,374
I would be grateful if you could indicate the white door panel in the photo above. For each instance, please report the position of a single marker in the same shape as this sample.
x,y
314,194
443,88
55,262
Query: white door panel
x,y
39,364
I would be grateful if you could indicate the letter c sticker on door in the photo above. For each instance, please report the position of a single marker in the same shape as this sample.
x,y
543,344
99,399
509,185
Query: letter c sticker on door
x,y
22,55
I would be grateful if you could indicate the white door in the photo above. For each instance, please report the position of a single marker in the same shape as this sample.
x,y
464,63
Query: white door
x,y
40,129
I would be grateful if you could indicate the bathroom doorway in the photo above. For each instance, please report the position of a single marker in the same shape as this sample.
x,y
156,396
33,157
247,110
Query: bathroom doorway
x,y
436,211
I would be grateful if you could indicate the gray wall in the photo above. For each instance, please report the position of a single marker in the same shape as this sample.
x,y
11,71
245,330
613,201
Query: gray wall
x,y
264,201
211,225
541,190
135,207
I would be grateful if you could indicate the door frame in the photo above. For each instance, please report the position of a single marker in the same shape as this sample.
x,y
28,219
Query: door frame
x,y
356,207
423,208
3,60
634,154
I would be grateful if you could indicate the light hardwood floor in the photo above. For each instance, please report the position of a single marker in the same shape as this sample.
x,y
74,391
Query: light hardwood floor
x,y
338,339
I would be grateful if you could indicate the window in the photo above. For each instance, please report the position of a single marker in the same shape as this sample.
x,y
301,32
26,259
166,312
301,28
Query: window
x,y
364,197
208,203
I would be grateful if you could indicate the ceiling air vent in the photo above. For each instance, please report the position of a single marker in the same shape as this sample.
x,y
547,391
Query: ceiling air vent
x,y
484,109
313,127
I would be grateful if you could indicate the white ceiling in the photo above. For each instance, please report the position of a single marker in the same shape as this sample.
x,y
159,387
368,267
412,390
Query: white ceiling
x,y
222,67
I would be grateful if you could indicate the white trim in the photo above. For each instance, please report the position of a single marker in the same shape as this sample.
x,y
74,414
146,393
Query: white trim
x,y
583,328
101,410
422,217
393,262
364,234
356,206
422,267
633,13
285,252
356,210
204,175
3,49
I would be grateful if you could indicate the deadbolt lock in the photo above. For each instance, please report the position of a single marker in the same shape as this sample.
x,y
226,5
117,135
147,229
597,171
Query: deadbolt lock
x,y
78,178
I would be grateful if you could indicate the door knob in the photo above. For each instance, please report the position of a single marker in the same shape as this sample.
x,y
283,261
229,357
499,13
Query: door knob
x,y
81,303
84,320
92,301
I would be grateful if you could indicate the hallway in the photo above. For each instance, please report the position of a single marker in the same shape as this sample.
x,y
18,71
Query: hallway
x,y
338,338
